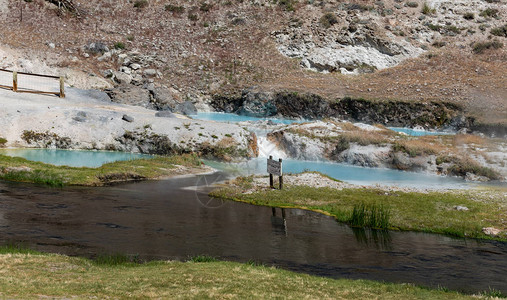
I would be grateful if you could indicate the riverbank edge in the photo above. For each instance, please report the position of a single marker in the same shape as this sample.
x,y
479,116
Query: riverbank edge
x,y
18,169
233,194
43,273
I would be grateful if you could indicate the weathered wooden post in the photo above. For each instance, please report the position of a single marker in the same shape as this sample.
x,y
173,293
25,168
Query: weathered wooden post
x,y
14,81
280,177
62,87
270,174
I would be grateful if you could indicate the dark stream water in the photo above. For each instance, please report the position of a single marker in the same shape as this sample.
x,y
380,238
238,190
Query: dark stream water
x,y
171,220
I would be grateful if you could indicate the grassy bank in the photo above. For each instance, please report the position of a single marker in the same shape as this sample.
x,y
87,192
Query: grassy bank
x,y
429,212
29,275
22,170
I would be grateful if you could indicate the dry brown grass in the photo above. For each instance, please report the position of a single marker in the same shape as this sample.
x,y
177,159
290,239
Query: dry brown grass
x,y
468,139
365,138
420,146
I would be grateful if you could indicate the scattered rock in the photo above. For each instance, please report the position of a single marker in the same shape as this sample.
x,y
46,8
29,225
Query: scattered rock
x,y
80,117
122,78
127,118
17,169
150,72
97,47
461,208
473,177
165,114
491,231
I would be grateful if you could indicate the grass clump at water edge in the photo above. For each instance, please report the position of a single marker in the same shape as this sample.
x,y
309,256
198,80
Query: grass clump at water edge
x,y
415,211
22,170
374,216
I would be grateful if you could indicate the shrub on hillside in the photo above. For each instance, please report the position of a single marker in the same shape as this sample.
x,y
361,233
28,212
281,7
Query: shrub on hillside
x,y
489,12
328,20
499,31
427,10
479,47
468,16
175,8
140,3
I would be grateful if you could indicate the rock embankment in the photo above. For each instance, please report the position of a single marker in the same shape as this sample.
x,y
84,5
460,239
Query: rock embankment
x,y
430,115
86,120
467,156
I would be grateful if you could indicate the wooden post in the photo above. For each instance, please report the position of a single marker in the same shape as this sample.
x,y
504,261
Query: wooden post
x,y
62,87
14,81
280,178
271,176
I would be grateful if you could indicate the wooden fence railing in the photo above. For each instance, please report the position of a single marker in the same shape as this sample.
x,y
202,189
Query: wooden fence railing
x,y
32,83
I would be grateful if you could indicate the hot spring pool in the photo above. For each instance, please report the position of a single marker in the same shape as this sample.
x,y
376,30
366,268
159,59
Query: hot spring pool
x,y
72,158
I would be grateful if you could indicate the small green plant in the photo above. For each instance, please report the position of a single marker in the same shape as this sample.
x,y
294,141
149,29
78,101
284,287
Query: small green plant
x,y
370,215
2,141
205,7
499,31
480,47
140,3
328,20
115,259
130,38
119,46
214,136
193,17
434,27
177,9
203,258
452,29
489,12
427,10
288,5
493,293
468,16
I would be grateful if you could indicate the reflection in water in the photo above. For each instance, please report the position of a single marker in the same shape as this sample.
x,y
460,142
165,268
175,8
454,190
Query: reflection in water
x,y
279,223
175,220
381,239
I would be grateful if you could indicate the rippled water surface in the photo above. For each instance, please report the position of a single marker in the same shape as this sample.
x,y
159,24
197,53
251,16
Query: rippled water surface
x,y
175,219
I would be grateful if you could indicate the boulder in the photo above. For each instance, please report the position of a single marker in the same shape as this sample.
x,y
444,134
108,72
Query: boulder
x,y
122,78
163,99
131,95
150,72
257,104
127,118
97,47
165,114
186,108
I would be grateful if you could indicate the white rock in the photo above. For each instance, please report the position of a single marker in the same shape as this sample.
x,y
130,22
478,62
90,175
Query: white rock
x,y
135,66
491,231
461,208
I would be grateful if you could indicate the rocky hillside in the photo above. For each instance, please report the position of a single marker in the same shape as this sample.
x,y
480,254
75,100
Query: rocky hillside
x,y
177,55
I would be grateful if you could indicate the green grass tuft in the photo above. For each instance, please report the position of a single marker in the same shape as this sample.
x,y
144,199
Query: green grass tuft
x,y
116,259
203,258
375,216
